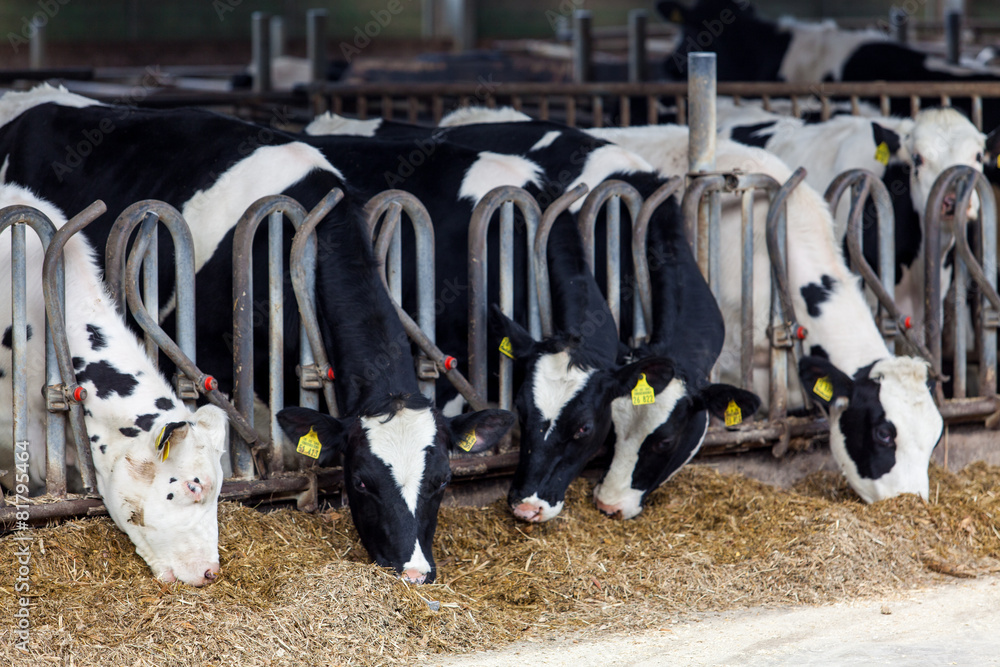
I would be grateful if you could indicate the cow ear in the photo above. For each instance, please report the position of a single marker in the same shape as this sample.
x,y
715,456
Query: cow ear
x,y
521,344
215,423
824,382
672,12
883,135
299,423
476,431
659,371
720,398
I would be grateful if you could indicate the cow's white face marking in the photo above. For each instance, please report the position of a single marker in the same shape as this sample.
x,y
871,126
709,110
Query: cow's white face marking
x,y
417,560
633,424
942,138
491,170
268,170
331,123
603,161
400,444
13,104
554,384
546,140
908,405
548,511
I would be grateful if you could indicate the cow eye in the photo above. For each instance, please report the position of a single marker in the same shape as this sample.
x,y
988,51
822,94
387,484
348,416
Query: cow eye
x,y
884,434
917,160
359,485
584,430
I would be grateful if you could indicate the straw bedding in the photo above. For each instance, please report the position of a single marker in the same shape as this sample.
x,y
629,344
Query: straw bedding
x,y
297,588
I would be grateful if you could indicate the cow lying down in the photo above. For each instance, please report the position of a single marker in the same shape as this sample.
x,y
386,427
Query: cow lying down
x,y
163,497
883,422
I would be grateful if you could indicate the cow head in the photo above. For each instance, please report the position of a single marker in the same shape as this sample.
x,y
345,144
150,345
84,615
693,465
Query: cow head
x,y
940,139
161,487
653,441
564,405
396,470
883,423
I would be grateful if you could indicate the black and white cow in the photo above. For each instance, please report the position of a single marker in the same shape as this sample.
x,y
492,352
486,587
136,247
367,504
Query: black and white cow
x,y
907,154
165,500
883,421
559,419
72,149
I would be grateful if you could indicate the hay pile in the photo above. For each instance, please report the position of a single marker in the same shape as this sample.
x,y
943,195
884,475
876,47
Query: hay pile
x,y
296,588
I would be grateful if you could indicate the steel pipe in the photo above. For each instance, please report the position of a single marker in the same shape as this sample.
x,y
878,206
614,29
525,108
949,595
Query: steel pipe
x,y
539,255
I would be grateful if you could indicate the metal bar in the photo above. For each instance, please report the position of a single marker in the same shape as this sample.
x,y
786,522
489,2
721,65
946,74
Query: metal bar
x,y
478,272
899,20
960,362
59,364
36,45
701,97
637,19
607,193
697,235
302,264
276,334
642,312
316,43
953,36
540,254
55,468
506,379
260,35
582,46
746,291
394,259
277,27
427,19
150,284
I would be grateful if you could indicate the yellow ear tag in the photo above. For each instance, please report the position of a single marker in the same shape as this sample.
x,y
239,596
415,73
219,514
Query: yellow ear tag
x,y
643,394
163,446
468,440
882,153
309,444
734,416
823,388
505,348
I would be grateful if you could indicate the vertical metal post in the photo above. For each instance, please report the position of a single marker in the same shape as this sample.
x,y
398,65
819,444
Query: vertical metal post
x,y
277,36
612,259
582,46
37,46
899,24
463,24
637,45
506,296
150,284
276,332
961,345
260,33
19,353
953,36
316,43
394,260
428,18
746,291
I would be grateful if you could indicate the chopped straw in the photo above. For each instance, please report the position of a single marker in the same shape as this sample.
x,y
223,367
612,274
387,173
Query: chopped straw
x,y
297,588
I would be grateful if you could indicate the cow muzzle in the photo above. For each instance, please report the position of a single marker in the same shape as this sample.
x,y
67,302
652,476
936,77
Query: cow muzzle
x,y
413,576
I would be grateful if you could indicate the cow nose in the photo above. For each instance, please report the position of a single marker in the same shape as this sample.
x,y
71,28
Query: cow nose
x,y
610,510
414,576
528,512
212,572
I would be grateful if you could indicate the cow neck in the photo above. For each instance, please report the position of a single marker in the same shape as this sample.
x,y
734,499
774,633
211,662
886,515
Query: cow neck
x,y
578,307
368,348
839,319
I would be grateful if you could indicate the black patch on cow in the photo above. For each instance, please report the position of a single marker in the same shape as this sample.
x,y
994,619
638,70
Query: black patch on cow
x,y
8,336
107,379
170,496
79,363
104,448
164,404
883,134
815,295
858,423
172,480
94,438
97,339
748,134
818,351
129,432
87,413
145,422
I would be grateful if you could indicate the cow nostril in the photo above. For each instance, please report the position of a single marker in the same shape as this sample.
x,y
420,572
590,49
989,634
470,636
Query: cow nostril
x,y
210,575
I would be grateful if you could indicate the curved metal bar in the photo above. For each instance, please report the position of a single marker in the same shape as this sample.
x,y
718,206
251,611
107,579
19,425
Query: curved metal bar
x,y
697,235
302,263
391,203
52,285
539,256
775,250
610,192
147,213
205,383
642,296
413,330
478,225
16,218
